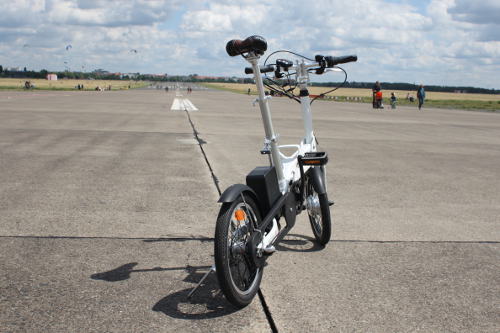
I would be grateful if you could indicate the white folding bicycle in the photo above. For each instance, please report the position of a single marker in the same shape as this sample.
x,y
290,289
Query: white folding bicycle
x,y
249,223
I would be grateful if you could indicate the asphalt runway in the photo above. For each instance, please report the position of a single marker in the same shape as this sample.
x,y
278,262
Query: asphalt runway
x,y
108,206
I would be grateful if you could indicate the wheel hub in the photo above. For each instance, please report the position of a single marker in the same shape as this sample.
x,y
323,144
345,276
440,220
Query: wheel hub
x,y
238,248
313,206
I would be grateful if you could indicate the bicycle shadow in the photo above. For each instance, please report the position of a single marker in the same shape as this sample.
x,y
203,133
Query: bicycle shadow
x,y
208,301
124,272
298,243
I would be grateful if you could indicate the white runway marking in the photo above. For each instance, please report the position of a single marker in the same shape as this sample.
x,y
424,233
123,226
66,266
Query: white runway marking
x,y
183,104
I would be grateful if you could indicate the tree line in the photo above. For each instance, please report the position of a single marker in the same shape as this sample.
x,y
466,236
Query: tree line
x,y
104,75
409,86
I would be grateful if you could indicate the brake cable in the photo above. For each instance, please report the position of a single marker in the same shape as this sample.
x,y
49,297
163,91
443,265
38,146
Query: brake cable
x,y
332,90
286,92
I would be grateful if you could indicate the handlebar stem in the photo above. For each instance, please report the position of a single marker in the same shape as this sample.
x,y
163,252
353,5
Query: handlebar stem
x,y
305,101
302,74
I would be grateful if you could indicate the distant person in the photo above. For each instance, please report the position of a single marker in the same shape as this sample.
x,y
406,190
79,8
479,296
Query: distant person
x,y
378,100
421,96
376,89
393,100
166,88
249,90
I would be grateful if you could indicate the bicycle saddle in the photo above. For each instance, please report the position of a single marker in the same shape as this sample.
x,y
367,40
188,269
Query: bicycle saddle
x,y
255,44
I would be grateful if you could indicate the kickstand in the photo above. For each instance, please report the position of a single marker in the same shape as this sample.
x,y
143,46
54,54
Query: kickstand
x,y
212,269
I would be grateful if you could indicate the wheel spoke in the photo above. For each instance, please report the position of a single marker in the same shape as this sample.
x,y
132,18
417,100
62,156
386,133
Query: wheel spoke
x,y
241,268
239,278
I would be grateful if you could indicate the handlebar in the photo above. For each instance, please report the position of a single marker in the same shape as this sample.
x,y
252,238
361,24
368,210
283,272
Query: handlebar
x,y
320,64
255,44
329,61
332,61
265,69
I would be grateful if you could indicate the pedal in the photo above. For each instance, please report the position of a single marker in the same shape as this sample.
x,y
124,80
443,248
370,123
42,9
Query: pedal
x,y
269,250
313,158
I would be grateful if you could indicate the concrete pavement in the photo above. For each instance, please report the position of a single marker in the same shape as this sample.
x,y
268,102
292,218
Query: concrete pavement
x,y
107,209
107,214
416,220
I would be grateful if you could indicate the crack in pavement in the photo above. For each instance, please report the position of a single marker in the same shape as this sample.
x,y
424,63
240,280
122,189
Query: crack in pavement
x,y
146,239
200,144
200,141
211,239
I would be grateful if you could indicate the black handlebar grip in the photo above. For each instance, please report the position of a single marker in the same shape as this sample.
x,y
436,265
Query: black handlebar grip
x,y
266,69
256,44
332,61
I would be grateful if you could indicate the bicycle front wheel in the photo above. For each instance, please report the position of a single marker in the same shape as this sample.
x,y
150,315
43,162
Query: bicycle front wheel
x,y
318,209
239,278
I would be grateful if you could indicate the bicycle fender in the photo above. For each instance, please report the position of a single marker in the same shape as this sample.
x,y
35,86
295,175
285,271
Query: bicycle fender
x,y
318,180
234,191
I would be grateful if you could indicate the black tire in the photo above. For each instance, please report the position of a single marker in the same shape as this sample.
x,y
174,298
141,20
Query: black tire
x,y
318,209
239,280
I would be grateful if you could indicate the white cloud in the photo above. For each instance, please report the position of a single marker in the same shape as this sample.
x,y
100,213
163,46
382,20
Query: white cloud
x,y
451,42
206,21
478,12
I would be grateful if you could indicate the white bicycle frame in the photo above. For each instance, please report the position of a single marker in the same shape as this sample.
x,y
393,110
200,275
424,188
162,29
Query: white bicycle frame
x,y
287,167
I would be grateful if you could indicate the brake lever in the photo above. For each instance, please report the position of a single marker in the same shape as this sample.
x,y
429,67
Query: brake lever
x,y
334,69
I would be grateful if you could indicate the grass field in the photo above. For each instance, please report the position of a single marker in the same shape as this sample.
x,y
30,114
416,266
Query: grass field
x,y
487,102
41,84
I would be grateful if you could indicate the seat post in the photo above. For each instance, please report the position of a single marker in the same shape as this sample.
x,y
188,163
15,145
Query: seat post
x,y
267,121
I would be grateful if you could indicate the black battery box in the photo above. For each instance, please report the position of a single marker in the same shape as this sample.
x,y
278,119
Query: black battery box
x,y
264,181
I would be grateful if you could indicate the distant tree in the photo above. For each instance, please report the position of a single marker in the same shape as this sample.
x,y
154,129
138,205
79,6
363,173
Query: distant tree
x,y
1,68
25,69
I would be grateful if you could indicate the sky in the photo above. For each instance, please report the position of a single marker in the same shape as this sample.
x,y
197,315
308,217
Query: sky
x,y
433,42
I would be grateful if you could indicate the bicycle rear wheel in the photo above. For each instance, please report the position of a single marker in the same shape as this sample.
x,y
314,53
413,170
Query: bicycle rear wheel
x,y
239,279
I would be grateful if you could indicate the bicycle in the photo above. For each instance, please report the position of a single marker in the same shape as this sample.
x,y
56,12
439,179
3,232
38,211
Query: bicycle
x,y
249,221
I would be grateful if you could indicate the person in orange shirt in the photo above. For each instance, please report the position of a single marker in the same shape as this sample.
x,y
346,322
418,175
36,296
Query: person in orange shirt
x,y
376,90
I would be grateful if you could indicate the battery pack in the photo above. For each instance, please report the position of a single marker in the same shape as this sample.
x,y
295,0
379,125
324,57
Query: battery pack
x,y
264,181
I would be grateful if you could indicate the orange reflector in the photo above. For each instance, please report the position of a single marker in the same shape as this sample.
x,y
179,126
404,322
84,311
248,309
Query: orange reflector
x,y
239,215
312,162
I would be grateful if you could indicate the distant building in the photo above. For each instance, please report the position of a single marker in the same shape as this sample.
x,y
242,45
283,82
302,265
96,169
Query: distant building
x,y
101,71
52,77
131,75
